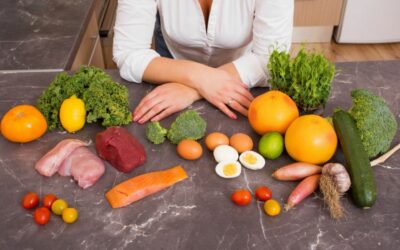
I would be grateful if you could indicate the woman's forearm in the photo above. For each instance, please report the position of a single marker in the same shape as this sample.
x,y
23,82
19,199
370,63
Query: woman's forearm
x,y
230,69
164,70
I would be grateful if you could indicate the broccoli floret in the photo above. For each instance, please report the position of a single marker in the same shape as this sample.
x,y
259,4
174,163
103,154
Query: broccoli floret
x,y
156,133
375,122
188,125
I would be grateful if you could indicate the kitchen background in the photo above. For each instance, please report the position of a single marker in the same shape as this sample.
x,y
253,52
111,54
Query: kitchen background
x,y
67,34
344,30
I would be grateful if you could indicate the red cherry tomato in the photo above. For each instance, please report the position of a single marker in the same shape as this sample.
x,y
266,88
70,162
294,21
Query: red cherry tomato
x,y
241,197
41,215
30,200
48,200
263,193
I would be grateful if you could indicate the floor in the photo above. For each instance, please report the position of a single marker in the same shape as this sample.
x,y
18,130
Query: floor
x,y
353,52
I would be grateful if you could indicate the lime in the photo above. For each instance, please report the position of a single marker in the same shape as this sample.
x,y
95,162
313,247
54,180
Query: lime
x,y
271,145
72,114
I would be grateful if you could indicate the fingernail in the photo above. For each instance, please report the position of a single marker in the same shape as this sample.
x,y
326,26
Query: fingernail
x,y
233,117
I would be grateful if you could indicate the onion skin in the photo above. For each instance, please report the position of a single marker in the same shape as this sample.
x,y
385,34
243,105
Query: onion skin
x,y
303,190
296,171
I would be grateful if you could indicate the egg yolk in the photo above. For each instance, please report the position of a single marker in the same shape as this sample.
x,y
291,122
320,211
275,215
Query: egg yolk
x,y
250,158
229,169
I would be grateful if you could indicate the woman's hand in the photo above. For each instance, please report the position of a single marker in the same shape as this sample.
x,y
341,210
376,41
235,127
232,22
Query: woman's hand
x,y
222,90
163,101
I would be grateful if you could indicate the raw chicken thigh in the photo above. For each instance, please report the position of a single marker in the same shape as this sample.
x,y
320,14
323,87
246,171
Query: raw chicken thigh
x,y
84,166
70,157
51,161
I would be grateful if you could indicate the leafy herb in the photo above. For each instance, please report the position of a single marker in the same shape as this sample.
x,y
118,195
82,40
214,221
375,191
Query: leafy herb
x,y
105,100
306,78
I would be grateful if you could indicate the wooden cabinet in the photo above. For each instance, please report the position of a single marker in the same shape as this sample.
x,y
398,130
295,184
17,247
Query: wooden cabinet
x,y
90,51
314,20
317,12
107,34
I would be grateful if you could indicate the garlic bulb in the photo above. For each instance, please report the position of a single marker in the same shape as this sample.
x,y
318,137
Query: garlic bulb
x,y
339,175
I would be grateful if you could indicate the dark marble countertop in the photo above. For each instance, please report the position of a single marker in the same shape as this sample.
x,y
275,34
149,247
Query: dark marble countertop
x,y
43,34
196,213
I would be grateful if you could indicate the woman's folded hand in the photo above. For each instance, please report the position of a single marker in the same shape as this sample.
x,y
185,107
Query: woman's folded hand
x,y
222,90
163,101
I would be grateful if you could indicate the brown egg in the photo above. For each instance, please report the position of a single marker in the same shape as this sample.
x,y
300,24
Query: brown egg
x,y
241,142
189,149
215,139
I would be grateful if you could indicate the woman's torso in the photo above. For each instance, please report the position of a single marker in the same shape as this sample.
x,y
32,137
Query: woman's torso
x,y
226,36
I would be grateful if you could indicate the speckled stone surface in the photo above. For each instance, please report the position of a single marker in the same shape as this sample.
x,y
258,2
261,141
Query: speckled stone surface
x,y
196,213
41,34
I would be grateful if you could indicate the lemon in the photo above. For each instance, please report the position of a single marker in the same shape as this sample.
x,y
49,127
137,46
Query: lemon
x,y
271,145
72,114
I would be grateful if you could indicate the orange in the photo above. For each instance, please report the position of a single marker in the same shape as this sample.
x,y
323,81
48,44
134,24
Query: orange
x,y
272,111
23,123
311,139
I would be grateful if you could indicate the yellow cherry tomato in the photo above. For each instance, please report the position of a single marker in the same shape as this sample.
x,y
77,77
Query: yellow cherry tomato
x,y
58,206
272,207
70,215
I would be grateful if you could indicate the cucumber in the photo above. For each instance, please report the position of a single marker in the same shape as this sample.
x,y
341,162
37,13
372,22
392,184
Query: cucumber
x,y
363,187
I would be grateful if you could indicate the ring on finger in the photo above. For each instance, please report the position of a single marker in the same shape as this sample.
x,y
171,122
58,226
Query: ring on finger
x,y
230,102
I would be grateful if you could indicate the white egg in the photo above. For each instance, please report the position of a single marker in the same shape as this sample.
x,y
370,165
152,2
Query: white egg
x,y
225,153
228,169
252,160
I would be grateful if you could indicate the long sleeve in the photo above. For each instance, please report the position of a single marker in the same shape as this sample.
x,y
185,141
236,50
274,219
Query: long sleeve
x,y
133,32
272,27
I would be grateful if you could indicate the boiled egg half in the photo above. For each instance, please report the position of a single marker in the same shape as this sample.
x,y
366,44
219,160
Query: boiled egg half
x,y
225,153
252,160
228,169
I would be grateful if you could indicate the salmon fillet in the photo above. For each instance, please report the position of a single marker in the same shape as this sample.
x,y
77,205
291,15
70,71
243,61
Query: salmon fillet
x,y
144,185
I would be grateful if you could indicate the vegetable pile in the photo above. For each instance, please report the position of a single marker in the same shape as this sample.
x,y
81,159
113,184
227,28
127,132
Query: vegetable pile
x,y
90,95
105,100
306,78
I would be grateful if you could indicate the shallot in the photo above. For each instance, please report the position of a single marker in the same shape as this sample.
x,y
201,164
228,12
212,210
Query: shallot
x,y
303,190
296,171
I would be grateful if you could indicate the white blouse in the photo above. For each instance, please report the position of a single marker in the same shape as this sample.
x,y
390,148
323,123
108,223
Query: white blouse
x,y
239,31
